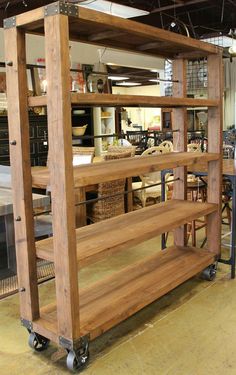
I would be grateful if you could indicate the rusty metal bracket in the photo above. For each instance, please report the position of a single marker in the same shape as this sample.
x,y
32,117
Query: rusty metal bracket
x,y
81,344
27,324
61,8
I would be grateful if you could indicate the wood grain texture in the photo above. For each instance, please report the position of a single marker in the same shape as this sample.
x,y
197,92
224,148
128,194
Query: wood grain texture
x,y
95,241
90,174
61,174
116,297
114,100
21,172
215,126
90,22
179,122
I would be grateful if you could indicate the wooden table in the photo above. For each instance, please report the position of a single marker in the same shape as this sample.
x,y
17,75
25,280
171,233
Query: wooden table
x,y
6,211
228,171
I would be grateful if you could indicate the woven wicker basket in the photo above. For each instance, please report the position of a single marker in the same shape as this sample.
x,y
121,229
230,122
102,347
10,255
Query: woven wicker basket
x,y
112,205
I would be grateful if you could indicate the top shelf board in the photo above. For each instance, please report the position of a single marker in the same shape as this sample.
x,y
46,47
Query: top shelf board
x,y
113,100
98,28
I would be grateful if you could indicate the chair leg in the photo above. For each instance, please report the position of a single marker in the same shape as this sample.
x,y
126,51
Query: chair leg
x,y
193,232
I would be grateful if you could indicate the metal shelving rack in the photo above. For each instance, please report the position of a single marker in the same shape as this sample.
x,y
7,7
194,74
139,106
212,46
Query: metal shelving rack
x,y
77,317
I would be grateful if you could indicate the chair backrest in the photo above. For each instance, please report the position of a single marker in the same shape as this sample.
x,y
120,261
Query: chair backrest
x,y
194,147
152,178
120,149
138,138
167,144
156,150
228,151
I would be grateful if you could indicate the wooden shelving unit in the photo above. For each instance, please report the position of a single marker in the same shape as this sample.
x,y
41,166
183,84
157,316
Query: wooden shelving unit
x,y
78,316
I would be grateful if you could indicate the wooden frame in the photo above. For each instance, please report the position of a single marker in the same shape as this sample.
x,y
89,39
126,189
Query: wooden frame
x,y
75,318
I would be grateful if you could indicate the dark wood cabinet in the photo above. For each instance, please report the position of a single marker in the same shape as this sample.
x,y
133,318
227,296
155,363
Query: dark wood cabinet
x,y
38,140
38,134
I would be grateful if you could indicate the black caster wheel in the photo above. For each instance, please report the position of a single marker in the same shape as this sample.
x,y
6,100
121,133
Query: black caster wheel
x,y
209,273
38,342
76,362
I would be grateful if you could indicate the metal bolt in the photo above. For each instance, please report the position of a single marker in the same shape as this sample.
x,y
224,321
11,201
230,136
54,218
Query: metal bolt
x,y
22,289
9,63
18,218
13,143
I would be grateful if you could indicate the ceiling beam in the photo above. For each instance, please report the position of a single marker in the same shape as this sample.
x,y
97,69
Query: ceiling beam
x,y
174,6
232,2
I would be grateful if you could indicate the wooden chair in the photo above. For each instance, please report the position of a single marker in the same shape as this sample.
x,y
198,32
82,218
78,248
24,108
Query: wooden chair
x,y
113,204
138,139
146,192
194,147
167,144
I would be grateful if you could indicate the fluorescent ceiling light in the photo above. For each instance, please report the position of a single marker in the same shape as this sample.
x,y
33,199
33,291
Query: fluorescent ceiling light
x,y
117,78
154,80
128,84
221,40
114,9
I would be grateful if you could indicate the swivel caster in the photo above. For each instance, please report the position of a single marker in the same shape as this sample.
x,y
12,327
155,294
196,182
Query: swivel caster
x,y
38,342
76,361
209,273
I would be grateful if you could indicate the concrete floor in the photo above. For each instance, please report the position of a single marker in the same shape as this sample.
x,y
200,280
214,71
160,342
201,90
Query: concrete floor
x,y
189,331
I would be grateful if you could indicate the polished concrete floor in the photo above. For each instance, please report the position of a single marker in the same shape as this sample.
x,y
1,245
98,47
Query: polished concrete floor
x,y
190,331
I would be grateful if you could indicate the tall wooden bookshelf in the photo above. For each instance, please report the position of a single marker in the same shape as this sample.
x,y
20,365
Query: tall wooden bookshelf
x,y
78,316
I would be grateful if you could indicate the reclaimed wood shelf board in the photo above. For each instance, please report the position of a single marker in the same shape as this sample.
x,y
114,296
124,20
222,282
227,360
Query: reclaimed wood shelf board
x,y
114,100
92,246
118,296
90,174
94,27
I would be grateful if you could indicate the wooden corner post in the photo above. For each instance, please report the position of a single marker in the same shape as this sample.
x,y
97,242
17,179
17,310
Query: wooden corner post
x,y
61,174
179,124
215,119
21,171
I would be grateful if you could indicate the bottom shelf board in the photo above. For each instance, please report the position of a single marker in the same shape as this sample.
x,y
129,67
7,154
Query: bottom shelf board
x,y
118,296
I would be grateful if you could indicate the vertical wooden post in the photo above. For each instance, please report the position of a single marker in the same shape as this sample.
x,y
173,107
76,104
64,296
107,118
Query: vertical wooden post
x,y
215,120
179,122
21,171
61,174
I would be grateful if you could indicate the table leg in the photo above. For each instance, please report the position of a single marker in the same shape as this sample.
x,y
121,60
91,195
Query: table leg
x,y
163,197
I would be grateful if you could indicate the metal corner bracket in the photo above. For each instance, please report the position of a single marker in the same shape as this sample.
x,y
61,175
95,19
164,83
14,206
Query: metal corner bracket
x,y
9,23
82,342
60,7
